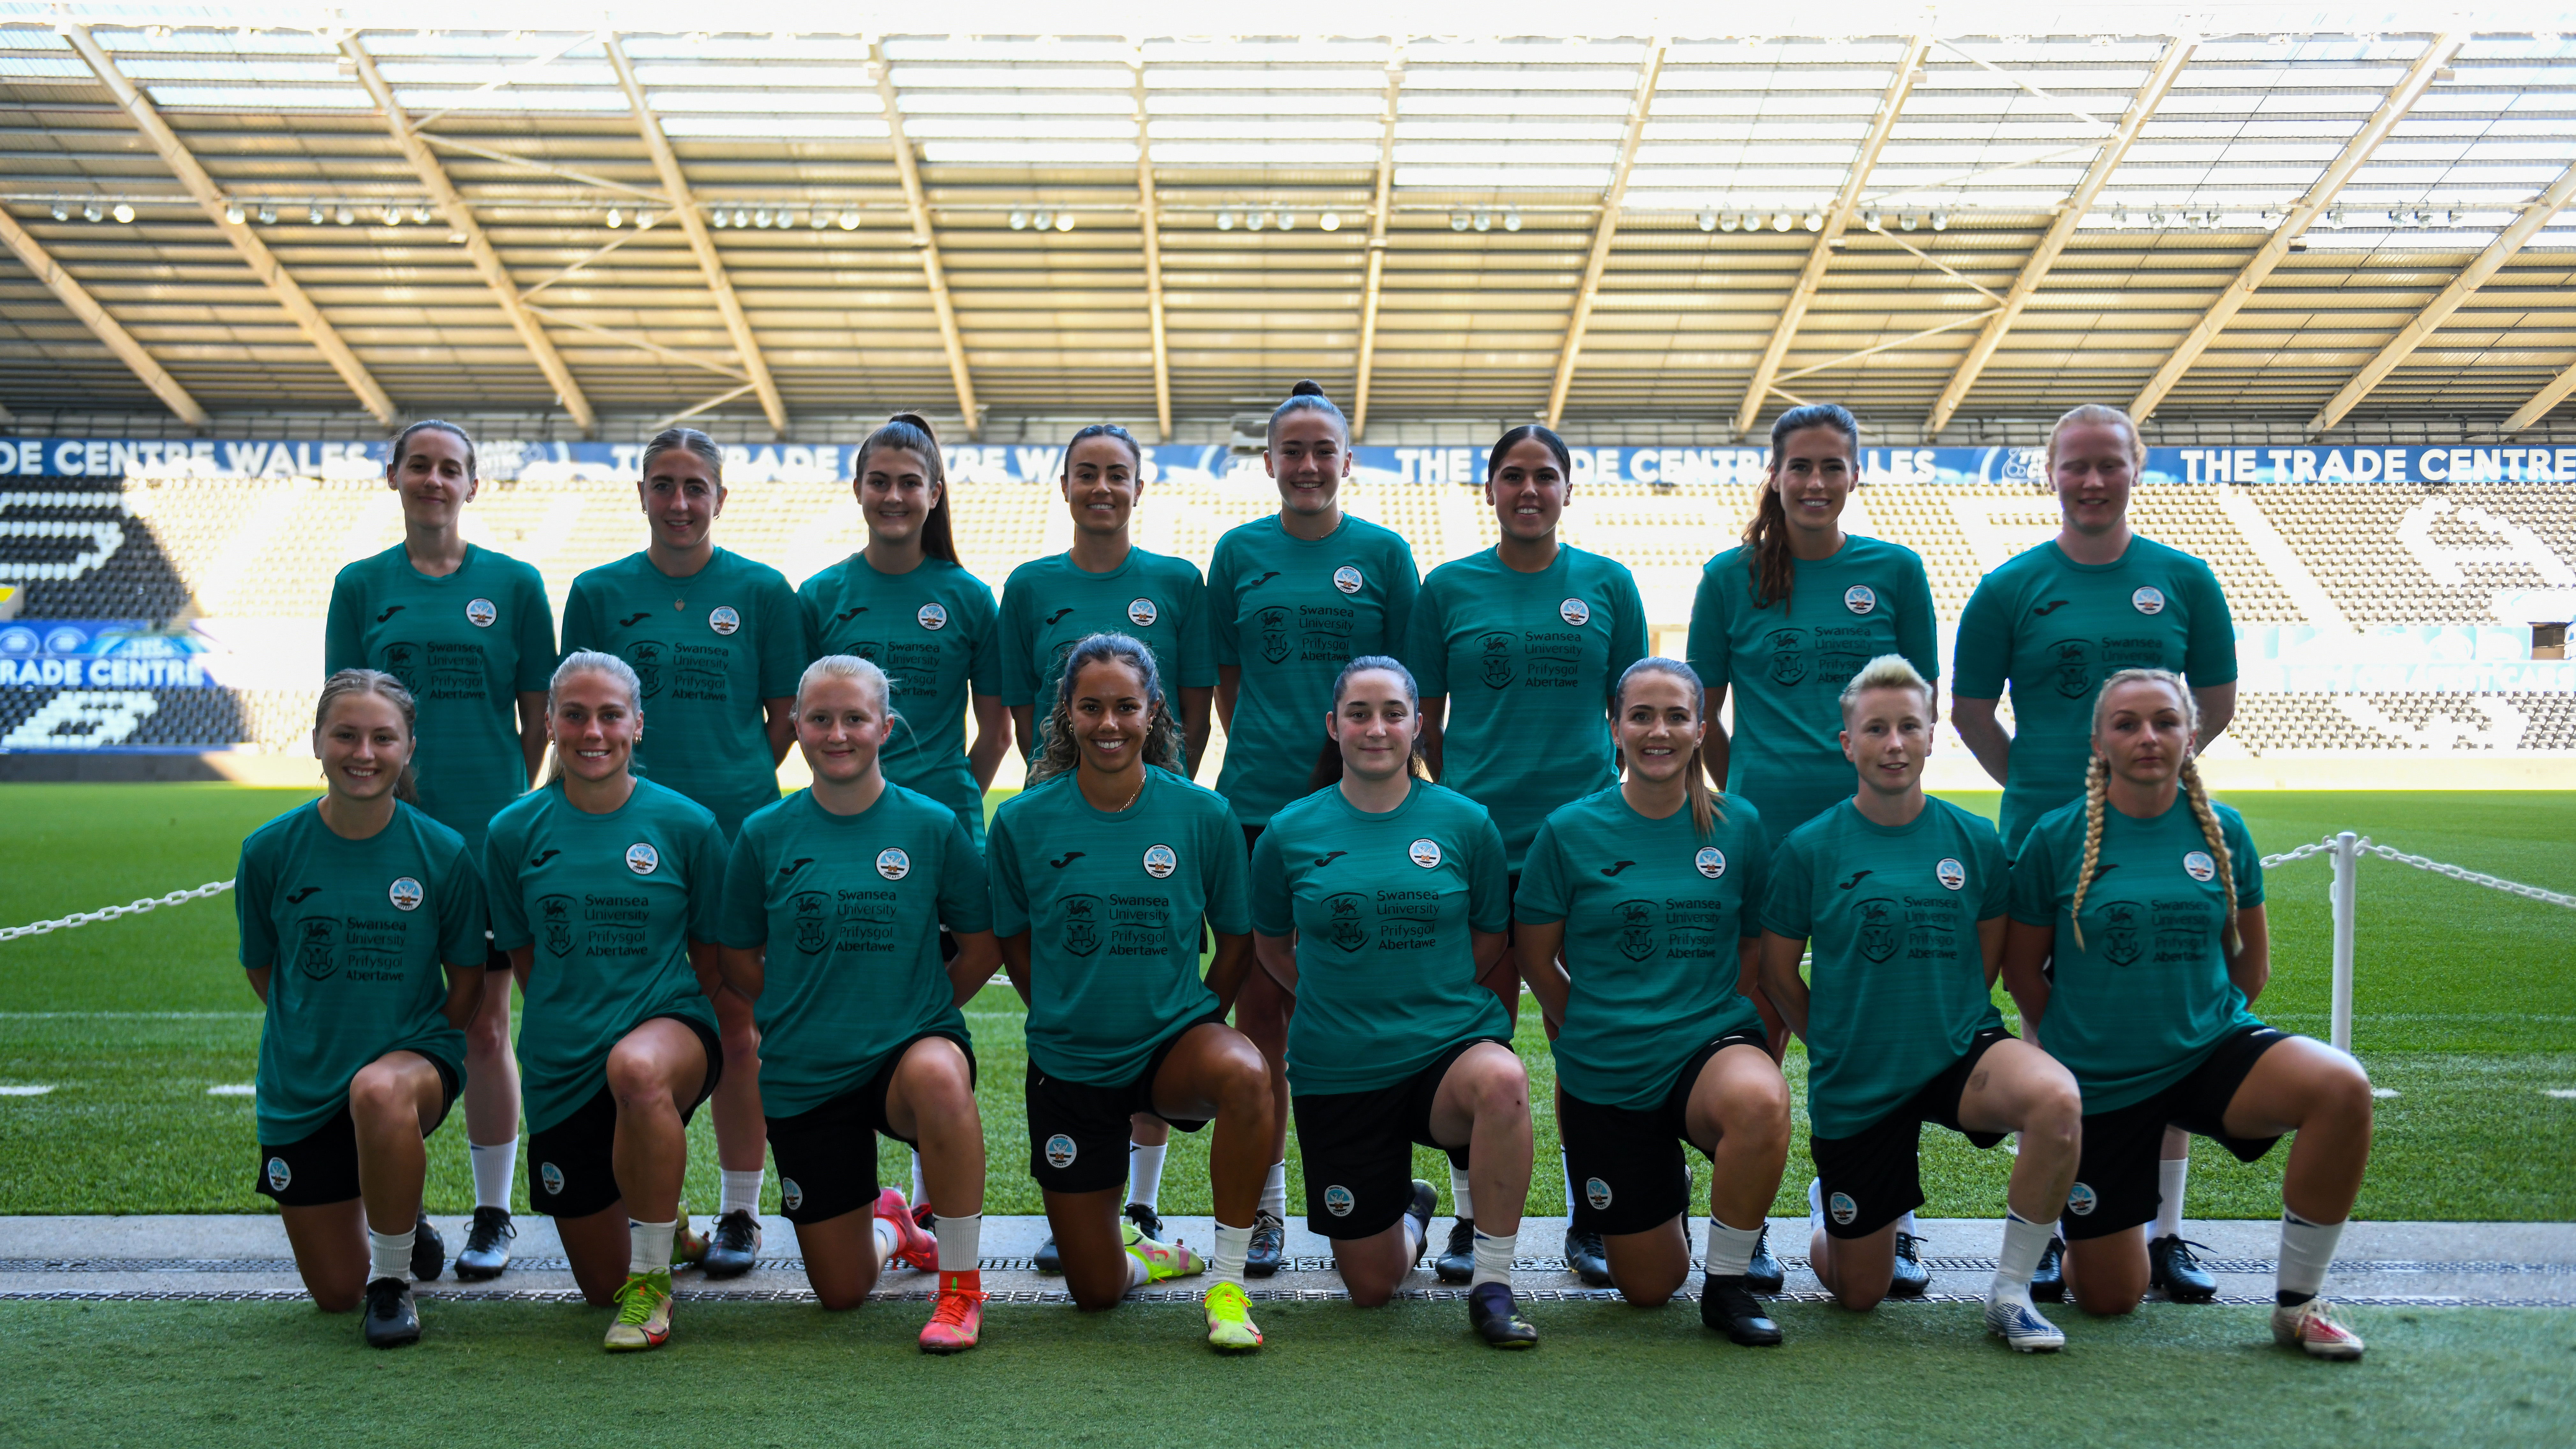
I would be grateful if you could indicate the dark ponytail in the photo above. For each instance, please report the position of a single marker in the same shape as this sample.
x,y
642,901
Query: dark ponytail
x,y
1522,434
1308,397
910,433
1328,764
1766,538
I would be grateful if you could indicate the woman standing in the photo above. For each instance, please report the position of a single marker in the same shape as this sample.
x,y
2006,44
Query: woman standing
x,y
2052,623
1102,871
1903,897
2156,968
906,603
1520,643
835,900
360,898
1639,918
1294,597
471,637
717,641
605,890
1394,891
1105,584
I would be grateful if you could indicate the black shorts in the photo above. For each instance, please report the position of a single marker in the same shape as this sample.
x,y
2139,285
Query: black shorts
x,y
1358,1148
827,1156
494,958
2116,1187
1252,837
1078,1132
1873,1177
323,1166
572,1169
1626,1163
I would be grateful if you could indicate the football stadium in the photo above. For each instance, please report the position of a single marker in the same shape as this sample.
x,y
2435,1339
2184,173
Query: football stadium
x,y
676,682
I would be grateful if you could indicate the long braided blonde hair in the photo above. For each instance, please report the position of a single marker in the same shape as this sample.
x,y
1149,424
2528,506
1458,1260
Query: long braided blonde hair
x,y
2097,789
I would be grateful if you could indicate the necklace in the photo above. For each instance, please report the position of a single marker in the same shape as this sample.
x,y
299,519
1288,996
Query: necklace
x,y
1132,795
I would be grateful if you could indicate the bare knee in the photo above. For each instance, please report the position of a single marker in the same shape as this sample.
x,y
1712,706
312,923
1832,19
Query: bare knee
x,y
635,1078
333,1297
377,1093
842,1295
1503,1093
2345,1093
2106,1300
1367,1291
2056,1118
1646,1290
487,1035
741,1044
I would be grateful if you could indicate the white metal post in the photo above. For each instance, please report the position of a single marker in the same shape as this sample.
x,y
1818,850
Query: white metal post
x,y
2347,856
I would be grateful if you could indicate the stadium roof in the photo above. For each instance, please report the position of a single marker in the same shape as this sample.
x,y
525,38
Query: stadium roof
x,y
1941,217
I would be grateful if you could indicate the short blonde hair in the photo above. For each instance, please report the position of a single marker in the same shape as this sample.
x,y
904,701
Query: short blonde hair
x,y
2102,413
844,666
1887,671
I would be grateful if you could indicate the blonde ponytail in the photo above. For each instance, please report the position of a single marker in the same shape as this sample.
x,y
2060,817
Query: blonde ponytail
x,y
2097,789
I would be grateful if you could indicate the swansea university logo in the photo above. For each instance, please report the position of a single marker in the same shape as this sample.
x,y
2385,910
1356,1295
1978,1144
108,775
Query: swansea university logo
x,y
554,922
402,661
1082,924
1494,652
646,657
813,914
2120,933
1879,928
313,949
1637,929
1346,929
1275,638
2072,662
1788,656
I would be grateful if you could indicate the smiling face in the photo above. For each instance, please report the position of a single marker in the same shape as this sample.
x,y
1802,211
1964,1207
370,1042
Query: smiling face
x,y
896,494
841,724
2143,727
1376,724
433,477
681,498
1110,714
1886,735
2093,468
1813,476
594,725
1309,457
1528,491
1658,727
363,746
1100,485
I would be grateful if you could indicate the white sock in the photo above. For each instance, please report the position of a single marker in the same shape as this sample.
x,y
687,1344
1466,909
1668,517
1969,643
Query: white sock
x,y
887,1242
1145,1174
1233,1245
740,1190
2169,1180
648,1246
2024,1242
1494,1254
389,1254
920,1189
2306,1249
1906,1226
1417,1236
1815,1205
961,1243
1567,1167
493,1168
1138,1275
1460,1198
1730,1250
1274,1191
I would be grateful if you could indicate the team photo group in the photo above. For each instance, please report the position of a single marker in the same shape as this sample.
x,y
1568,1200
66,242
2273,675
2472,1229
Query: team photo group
x,y
1435,790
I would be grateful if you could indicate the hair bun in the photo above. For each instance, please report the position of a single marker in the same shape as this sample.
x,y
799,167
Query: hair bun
x,y
1307,387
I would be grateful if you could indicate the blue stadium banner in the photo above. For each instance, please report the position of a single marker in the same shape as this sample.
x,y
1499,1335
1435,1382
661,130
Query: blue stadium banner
x,y
501,458
101,654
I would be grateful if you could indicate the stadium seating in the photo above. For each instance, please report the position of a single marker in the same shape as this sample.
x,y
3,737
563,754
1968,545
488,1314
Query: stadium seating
x,y
259,557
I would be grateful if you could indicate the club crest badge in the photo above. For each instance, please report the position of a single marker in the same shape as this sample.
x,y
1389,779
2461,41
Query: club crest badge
x,y
723,619
1339,1201
1160,862
1950,873
1711,861
2148,599
2199,865
1348,580
480,613
932,616
553,1178
1141,613
1060,1152
893,864
2081,1200
1843,1209
791,1196
1575,612
279,1174
405,893
643,859
1424,853
1597,1193
1860,598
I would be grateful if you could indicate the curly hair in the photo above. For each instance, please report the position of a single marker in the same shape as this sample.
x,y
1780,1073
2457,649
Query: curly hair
x,y
1059,752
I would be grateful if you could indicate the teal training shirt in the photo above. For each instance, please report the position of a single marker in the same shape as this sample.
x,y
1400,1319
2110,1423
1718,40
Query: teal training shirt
x,y
1291,612
1049,605
609,905
355,935
1897,988
1655,918
1111,903
2054,629
936,634
2147,997
1383,907
709,649
466,646
1786,665
1528,662
846,911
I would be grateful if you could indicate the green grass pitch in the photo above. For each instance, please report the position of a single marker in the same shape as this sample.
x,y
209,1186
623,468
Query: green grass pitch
x,y
2464,1010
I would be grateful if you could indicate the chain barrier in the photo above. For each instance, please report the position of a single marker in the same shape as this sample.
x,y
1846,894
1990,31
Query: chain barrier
x,y
110,913
2424,863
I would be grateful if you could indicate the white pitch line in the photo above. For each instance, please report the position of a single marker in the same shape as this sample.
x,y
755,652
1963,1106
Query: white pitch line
x,y
228,1090
24,1091
2383,1091
2562,1093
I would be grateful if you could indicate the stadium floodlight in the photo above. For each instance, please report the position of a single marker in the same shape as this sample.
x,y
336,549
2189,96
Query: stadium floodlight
x,y
820,219
1332,221
1708,221
1815,221
1064,221
1020,221
62,212
1484,221
1224,220
420,214
1512,220
1940,221
718,218
1043,220
1780,222
393,214
267,214
1729,222
233,212
1458,221
850,219
348,216
1255,220
1869,221
1908,222
741,216
1287,221
313,214
90,211
760,218
123,212
616,218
